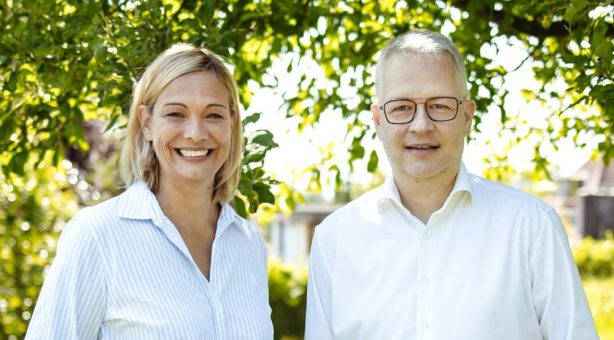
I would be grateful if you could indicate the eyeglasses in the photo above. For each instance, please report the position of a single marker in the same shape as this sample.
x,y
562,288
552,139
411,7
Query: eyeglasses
x,y
403,111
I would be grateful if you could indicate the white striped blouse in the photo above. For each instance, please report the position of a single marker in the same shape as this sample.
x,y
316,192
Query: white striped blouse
x,y
122,271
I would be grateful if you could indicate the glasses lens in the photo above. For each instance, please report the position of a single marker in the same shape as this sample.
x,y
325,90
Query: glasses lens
x,y
400,111
441,108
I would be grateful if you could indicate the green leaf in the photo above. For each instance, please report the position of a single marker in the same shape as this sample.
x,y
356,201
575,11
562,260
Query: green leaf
x,y
373,160
239,206
265,138
18,162
254,117
573,59
357,150
245,186
264,193
254,157
604,51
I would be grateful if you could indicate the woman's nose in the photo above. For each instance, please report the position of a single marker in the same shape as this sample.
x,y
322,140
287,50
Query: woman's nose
x,y
196,130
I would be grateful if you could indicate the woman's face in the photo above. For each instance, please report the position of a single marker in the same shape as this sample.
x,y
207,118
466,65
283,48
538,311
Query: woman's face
x,y
190,127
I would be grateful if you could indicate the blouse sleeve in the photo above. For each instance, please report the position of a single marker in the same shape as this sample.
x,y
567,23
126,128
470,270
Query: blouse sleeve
x,y
560,302
71,304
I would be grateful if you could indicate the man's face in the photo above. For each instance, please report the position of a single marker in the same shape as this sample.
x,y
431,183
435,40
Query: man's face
x,y
423,149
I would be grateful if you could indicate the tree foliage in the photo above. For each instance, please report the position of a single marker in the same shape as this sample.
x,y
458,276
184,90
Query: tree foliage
x,y
33,210
64,64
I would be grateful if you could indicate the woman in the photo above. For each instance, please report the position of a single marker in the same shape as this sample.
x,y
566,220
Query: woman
x,y
168,258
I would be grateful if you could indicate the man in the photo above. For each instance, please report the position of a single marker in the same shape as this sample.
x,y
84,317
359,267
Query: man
x,y
435,252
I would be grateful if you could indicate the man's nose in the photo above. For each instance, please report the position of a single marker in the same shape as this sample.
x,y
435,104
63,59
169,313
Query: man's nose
x,y
421,122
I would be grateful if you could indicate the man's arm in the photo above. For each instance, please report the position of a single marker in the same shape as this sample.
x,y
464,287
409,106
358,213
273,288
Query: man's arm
x,y
318,323
559,299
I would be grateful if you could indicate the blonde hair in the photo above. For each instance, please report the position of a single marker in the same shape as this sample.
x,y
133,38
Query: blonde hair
x,y
420,43
138,160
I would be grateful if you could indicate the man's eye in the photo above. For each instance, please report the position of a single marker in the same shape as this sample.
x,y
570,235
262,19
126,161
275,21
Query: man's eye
x,y
439,107
402,108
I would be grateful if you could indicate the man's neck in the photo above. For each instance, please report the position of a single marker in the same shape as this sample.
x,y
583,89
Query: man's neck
x,y
422,197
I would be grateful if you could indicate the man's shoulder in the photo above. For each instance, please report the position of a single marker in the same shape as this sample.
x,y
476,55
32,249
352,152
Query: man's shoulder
x,y
494,193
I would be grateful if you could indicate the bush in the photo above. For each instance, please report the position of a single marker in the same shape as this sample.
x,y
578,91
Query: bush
x,y
595,258
33,209
288,298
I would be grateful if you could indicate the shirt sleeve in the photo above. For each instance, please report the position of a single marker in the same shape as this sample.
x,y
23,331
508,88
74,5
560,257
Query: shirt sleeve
x,y
71,304
560,302
318,320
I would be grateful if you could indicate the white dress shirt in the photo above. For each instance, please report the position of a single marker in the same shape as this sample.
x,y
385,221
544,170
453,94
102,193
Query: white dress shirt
x,y
122,271
492,263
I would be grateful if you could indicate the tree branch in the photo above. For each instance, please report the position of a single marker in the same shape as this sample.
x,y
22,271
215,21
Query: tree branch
x,y
513,25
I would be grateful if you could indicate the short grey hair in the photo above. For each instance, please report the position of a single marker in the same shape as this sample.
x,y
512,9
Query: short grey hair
x,y
420,43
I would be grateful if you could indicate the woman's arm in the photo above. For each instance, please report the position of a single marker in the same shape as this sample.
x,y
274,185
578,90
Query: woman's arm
x,y
71,304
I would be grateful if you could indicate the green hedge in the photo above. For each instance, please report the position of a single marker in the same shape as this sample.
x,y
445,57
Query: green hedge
x,y
595,258
288,298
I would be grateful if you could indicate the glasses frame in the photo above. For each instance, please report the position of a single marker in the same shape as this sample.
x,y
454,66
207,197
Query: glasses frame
x,y
423,102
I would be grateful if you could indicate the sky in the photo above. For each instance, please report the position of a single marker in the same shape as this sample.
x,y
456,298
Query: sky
x,y
296,150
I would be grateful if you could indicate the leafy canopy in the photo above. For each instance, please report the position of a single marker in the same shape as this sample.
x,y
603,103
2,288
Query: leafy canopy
x,y
65,62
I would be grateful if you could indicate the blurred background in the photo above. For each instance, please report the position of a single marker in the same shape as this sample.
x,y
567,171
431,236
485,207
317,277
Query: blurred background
x,y
539,70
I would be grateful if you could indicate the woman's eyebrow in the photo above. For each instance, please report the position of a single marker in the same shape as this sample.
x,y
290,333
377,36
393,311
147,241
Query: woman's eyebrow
x,y
185,106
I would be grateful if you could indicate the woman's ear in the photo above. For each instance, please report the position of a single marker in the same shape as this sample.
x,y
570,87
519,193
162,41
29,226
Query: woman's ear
x,y
145,120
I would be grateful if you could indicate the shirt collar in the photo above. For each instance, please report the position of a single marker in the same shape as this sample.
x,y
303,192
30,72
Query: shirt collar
x,y
389,193
228,216
139,203
463,182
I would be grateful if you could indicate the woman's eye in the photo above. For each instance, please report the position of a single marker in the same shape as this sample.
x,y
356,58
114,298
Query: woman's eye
x,y
215,116
173,114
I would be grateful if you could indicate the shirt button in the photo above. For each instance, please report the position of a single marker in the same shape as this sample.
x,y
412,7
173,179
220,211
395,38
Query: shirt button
x,y
426,279
215,304
427,234
425,324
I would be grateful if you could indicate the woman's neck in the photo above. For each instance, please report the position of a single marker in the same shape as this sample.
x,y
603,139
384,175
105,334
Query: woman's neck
x,y
188,206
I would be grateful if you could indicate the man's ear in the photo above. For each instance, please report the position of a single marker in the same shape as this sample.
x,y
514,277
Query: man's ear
x,y
377,115
145,120
469,111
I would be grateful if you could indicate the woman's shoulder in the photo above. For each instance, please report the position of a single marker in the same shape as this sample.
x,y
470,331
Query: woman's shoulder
x,y
110,212
97,215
